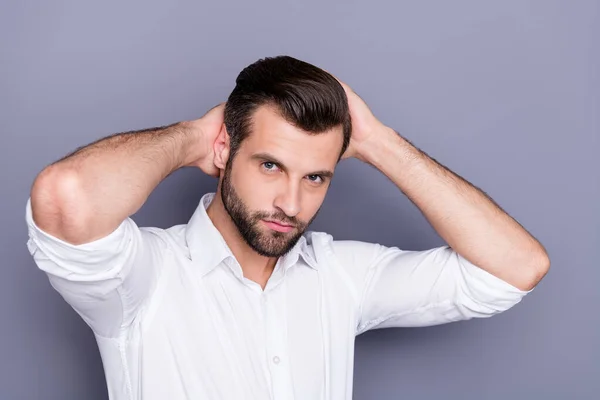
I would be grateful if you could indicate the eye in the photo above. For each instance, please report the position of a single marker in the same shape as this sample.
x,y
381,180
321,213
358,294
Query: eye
x,y
315,178
269,166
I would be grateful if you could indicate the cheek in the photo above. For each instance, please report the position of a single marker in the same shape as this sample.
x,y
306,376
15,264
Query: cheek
x,y
255,191
312,202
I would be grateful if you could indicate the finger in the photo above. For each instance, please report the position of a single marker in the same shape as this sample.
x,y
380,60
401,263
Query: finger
x,y
218,109
338,79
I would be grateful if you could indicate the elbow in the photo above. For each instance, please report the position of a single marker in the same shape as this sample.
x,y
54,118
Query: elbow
x,y
536,270
54,187
53,191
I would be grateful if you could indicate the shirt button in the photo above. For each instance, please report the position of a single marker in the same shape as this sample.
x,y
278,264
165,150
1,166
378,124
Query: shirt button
x,y
276,360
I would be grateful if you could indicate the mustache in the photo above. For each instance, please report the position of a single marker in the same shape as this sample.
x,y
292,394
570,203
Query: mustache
x,y
279,216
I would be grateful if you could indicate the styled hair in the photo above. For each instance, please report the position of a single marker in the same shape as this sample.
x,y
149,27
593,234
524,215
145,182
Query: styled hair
x,y
304,95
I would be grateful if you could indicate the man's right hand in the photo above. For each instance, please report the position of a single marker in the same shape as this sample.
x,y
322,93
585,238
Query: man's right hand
x,y
206,130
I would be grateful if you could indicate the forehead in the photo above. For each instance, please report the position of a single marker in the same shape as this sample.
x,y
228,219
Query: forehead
x,y
273,134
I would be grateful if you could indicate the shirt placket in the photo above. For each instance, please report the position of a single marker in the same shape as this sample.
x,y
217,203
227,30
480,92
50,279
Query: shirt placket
x,y
276,339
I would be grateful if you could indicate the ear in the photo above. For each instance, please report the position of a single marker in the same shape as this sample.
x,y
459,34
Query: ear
x,y
221,148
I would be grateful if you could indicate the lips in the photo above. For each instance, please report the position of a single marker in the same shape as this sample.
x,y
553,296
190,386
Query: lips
x,y
278,226
279,223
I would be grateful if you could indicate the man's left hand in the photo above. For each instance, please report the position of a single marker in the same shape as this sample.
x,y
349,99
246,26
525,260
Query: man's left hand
x,y
365,126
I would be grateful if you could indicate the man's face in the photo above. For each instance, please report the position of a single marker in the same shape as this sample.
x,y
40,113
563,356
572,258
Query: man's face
x,y
277,181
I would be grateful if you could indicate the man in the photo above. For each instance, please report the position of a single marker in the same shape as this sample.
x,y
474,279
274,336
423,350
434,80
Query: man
x,y
243,302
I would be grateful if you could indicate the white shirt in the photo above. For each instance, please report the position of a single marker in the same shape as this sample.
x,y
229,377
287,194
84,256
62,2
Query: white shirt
x,y
174,317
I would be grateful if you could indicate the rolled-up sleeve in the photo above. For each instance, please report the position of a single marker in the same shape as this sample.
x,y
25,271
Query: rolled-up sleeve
x,y
105,281
400,288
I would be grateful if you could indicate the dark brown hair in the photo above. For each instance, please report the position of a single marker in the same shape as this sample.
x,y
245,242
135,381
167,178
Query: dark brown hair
x,y
306,96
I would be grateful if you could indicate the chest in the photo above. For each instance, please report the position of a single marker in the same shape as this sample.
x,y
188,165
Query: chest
x,y
210,331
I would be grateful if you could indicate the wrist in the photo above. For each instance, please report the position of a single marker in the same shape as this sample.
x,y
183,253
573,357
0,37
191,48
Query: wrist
x,y
387,144
193,147
372,150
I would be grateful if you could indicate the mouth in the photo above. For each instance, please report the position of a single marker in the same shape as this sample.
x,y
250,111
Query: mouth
x,y
278,226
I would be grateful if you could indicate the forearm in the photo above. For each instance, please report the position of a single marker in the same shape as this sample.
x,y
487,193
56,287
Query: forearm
x,y
88,194
465,217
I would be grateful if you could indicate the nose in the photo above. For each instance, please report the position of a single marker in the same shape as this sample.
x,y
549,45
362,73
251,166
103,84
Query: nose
x,y
288,200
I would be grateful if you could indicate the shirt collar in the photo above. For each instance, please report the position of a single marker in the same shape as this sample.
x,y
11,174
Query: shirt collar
x,y
208,248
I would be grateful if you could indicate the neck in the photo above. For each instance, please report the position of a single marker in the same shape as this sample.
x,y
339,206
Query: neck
x,y
254,266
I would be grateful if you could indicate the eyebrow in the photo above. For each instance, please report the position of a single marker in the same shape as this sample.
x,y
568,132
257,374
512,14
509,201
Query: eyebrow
x,y
270,158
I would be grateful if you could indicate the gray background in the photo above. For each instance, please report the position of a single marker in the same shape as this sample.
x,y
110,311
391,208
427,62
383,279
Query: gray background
x,y
504,93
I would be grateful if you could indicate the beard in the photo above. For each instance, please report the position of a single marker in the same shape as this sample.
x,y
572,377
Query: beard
x,y
264,241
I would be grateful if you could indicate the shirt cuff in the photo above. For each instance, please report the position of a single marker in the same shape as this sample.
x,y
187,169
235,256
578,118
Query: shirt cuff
x,y
488,289
82,259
